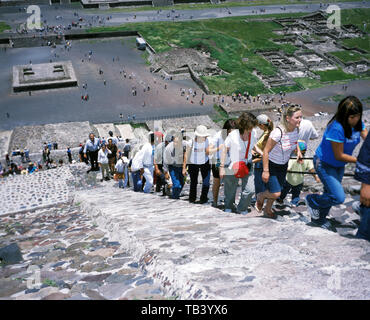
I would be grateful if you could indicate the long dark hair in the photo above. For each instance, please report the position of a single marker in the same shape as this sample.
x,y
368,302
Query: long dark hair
x,y
228,125
347,107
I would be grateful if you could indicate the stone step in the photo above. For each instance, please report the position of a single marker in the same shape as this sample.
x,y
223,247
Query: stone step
x,y
104,128
125,131
199,252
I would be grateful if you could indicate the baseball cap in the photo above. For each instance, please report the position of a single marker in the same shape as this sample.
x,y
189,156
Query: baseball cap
x,y
263,119
302,145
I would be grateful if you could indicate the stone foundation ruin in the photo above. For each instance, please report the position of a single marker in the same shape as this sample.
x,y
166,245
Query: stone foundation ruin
x,y
315,41
43,76
185,63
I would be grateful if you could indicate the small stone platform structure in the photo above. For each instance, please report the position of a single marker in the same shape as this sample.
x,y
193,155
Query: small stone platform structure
x,y
43,76
185,63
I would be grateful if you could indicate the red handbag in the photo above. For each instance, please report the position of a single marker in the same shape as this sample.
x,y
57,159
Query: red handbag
x,y
240,168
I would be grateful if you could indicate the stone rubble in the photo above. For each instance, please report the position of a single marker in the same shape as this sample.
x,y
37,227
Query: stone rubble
x,y
75,259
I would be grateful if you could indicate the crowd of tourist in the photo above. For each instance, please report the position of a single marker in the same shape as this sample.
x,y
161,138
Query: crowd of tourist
x,y
268,167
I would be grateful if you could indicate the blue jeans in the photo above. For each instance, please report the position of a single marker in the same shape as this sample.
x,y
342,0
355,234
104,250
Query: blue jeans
x,y
136,181
177,181
259,186
126,177
363,231
120,183
333,195
148,175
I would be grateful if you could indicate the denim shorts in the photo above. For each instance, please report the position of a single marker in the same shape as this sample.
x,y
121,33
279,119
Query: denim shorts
x,y
277,177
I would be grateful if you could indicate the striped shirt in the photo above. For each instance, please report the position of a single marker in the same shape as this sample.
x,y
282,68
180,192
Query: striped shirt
x,y
285,144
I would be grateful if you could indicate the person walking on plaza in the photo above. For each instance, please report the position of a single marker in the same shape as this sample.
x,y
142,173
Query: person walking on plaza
x,y
239,144
92,146
342,135
174,159
276,154
294,181
215,150
362,174
265,124
104,162
196,159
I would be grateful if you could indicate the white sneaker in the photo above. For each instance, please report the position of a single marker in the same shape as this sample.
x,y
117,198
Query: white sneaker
x,y
228,210
315,213
244,213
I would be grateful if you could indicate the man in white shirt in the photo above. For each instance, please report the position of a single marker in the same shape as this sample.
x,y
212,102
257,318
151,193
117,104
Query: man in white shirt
x,y
92,146
137,170
173,159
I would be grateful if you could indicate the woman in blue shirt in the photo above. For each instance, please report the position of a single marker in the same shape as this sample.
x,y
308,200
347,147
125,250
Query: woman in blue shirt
x,y
340,138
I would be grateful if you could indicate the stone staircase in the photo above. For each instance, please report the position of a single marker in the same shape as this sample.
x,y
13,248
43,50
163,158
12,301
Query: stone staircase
x,y
200,252
196,251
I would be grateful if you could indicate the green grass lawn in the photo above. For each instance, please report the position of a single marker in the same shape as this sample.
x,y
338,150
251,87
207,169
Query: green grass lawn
x,y
356,17
308,83
4,26
362,43
233,42
350,56
334,75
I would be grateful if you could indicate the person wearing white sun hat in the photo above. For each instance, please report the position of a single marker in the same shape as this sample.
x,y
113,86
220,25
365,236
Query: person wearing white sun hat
x,y
196,158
